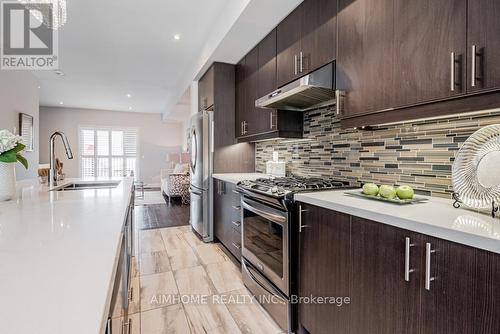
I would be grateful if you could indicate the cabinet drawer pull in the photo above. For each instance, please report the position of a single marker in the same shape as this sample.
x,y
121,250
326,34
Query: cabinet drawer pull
x,y
295,61
473,65
408,270
235,245
236,223
452,74
428,253
271,120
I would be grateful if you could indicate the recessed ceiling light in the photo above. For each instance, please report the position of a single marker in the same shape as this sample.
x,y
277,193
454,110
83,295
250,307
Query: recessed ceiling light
x,y
129,95
129,108
61,103
38,87
60,73
177,37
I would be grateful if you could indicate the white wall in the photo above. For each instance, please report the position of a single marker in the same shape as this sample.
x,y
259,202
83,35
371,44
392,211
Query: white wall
x,y
156,138
19,94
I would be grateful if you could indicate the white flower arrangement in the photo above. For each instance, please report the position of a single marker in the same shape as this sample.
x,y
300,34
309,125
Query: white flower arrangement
x,y
11,147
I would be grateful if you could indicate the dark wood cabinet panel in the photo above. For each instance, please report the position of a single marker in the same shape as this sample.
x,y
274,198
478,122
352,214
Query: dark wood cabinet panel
x,y
267,81
223,102
240,110
206,89
318,33
364,57
448,307
288,35
487,310
483,31
251,117
427,35
381,300
324,269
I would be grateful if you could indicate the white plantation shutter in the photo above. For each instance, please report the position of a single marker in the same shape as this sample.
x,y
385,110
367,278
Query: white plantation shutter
x,y
108,152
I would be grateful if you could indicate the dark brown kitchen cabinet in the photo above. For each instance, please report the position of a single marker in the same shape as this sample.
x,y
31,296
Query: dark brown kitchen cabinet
x,y
448,302
398,281
429,50
226,216
318,33
382,300
364,56
255,77
306,39
266,81
206,89
324,268
241,101
483,45
288,48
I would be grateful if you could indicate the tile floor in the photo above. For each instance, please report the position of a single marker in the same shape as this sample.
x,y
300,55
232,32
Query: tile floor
x,y
190,287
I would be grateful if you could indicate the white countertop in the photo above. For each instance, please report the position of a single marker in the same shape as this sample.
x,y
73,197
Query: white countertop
x,y
437,217
238,177
57,257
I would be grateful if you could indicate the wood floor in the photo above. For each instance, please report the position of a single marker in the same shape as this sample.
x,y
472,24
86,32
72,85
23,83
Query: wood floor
x,y
182,285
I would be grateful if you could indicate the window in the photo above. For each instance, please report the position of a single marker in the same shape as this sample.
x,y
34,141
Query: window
x,y
108,152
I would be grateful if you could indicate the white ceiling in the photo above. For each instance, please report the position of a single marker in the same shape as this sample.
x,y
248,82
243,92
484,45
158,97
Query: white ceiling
x,y
109,49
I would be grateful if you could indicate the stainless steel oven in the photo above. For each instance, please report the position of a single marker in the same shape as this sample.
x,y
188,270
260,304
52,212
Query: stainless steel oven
x,y
265,264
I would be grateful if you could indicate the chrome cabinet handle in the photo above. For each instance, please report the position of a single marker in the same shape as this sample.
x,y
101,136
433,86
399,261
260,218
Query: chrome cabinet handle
x,y
295,61
473,66
339,101
452,75
271,120
408,270
300,218
131,294
301,62
428,278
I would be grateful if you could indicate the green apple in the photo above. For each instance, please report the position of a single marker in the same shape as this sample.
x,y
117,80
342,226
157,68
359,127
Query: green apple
x,y
405,192
387,191
370,189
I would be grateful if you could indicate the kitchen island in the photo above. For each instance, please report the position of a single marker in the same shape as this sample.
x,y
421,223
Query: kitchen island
x,y
58,256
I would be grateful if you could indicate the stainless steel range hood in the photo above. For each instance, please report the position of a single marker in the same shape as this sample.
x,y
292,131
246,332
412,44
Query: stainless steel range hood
x,y
311,91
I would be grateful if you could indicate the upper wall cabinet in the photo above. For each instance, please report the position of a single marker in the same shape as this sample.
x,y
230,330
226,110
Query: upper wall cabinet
x,y
400,60
306,39
206,90
483,40
364,58
429,50
255,77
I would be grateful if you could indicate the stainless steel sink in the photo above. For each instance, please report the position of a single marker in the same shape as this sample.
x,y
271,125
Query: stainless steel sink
x,y
88,185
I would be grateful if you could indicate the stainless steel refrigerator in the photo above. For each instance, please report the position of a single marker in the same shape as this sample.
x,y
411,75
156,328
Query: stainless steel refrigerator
x,y
201,152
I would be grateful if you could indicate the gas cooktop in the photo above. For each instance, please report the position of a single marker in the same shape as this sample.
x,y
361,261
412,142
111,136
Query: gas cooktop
x,y
283,186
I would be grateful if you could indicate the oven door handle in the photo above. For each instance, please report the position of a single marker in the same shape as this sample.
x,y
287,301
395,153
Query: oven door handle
x,y
265,214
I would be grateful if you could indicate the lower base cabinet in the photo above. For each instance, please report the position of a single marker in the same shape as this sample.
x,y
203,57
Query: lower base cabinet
x,y
397,281
227,216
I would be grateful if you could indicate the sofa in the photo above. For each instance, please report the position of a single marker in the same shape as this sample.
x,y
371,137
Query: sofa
x,y
175,183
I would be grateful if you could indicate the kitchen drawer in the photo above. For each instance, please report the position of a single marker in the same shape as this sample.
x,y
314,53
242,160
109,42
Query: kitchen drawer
x,y
235,246
236,224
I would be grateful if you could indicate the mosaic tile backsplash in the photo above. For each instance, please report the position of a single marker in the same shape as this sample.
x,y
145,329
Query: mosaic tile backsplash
x,y
419,154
